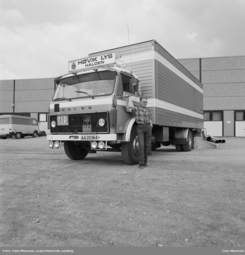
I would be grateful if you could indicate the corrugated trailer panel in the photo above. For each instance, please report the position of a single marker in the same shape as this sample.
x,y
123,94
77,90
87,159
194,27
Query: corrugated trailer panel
x,y
145,70
159,49
175,119
127,50
177,90
171,88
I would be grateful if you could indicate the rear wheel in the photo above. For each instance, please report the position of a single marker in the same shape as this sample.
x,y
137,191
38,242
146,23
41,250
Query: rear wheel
x,y
179,147
155,145
130,150
75,151
17,135
35,134
189,145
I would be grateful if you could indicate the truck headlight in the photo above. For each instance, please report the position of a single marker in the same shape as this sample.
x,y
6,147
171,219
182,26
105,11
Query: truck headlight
x,y
53,124
101,145
101,122
56,144
94,145
51,144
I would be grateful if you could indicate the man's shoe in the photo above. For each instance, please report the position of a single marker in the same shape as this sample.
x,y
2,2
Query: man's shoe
x,y
141,166
146,164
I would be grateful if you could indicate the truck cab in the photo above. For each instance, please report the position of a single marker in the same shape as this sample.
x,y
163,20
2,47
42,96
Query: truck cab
x,y
88,109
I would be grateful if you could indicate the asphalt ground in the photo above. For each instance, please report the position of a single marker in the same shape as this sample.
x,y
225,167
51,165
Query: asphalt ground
x,y
183,199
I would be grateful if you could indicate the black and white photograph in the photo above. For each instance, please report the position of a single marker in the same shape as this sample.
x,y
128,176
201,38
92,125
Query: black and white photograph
x,y
122,125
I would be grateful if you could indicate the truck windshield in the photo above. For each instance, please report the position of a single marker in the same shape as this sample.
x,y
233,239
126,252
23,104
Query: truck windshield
x,y
86,85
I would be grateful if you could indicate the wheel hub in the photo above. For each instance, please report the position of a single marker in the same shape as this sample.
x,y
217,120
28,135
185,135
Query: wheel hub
x,y
136,145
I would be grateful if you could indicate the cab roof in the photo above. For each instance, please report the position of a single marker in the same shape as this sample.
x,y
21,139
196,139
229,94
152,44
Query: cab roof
x,y
100,69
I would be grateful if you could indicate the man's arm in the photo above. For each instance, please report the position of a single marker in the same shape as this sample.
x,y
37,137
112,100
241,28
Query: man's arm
x,y
128,109
150,117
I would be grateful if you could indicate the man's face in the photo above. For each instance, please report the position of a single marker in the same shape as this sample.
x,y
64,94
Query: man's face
x,y
143,102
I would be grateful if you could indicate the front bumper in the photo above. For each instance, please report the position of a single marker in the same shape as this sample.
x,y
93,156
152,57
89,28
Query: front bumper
x,y
76,137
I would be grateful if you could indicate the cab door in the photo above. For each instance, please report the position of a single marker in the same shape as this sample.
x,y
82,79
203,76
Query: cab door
x,y
125,88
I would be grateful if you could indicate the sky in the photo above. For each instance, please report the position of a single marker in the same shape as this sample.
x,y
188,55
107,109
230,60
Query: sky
x,y
39,37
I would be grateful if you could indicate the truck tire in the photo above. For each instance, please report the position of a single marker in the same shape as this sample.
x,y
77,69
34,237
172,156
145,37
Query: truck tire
x,y
17,135
188,146
130,149
155,145
178,147
35,134
75,151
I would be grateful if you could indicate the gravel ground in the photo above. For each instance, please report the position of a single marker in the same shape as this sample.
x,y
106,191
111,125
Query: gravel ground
x,y
183,199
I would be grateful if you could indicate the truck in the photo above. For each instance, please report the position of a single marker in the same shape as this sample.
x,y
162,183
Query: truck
x,y
89,110
16,126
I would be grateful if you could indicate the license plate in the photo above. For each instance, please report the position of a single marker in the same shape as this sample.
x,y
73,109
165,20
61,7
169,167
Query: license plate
x,y
86,128
62,120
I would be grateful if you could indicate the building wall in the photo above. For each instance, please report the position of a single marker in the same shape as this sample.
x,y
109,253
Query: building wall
x,y
33,95
6,96
29,96
192,65
223,81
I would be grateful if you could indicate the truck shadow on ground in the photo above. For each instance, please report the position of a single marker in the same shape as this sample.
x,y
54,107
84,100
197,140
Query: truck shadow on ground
x,y
162,150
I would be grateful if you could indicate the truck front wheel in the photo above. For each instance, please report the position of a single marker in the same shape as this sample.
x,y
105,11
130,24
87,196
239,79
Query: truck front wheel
x,y
75,151
130,150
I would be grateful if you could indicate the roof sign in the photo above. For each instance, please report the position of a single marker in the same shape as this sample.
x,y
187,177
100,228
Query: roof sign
x,y
91,62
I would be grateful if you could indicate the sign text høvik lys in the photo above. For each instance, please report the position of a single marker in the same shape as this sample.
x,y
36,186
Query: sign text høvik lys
x,y
85,63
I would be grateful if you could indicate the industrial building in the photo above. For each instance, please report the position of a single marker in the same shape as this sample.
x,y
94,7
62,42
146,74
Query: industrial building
x,y
223,81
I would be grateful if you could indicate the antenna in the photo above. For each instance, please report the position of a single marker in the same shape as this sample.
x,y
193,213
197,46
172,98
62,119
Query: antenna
x,y
129,48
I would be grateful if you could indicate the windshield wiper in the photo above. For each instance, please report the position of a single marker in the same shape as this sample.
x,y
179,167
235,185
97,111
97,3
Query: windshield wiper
x,y
62,98
85,93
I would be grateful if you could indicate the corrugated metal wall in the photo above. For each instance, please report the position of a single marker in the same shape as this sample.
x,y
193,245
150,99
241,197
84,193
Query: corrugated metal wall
x,y
6,96
33,95
224,83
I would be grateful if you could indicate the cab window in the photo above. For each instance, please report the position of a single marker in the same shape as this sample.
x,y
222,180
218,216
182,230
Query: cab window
x,y
127,83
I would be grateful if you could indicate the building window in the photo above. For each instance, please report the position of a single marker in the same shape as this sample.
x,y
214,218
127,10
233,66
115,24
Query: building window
x,y
217,116
42,117
213,116
240,115
207,116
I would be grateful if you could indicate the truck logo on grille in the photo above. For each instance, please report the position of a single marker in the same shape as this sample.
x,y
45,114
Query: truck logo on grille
x,y
87,120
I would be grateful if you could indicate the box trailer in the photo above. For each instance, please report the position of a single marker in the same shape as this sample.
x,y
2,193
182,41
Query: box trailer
x,y
88,111
16,126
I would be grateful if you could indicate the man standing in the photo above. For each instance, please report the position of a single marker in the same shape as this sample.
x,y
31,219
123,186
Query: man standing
x,y
144,129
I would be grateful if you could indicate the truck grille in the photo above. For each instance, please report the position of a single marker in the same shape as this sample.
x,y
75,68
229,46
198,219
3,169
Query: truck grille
x,y
77,121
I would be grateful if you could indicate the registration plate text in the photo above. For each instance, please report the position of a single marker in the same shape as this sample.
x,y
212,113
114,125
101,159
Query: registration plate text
x,y
62,120
86,128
